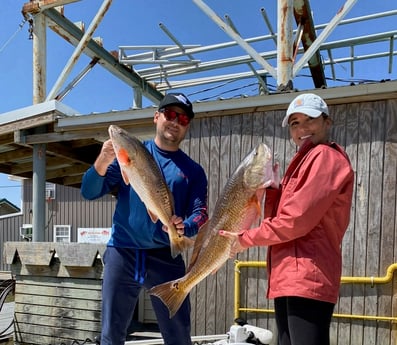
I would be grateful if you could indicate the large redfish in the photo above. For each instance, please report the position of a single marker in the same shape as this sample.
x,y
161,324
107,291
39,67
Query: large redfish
x,y
237,207
140,170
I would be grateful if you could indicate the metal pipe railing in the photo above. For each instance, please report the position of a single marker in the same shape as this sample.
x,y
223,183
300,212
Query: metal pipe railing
x,y
344,280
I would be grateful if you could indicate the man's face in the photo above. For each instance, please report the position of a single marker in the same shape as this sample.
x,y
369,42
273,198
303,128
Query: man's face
x,y
172,124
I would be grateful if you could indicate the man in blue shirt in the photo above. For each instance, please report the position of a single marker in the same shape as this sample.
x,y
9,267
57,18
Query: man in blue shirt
x,y
138,253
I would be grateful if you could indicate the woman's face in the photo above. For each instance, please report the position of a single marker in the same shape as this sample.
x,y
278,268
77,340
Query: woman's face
x,y
303,127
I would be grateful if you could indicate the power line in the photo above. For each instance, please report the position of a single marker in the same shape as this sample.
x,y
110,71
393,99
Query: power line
x,y
13,35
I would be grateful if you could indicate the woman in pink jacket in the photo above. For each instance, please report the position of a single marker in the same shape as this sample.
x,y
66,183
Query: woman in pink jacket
x,y
306,217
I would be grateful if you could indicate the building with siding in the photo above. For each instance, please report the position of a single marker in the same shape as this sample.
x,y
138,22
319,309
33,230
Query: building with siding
x,y
7,207
66,212
364,123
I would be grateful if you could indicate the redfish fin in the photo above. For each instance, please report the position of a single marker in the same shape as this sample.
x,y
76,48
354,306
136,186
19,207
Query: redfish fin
x,y
152,216
125,177
170,294
257,203
261,195
180,245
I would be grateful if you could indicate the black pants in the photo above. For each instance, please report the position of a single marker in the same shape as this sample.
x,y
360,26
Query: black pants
x,y
303,321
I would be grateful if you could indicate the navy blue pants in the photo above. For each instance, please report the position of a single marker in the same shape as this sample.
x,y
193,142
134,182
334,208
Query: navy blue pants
x,y
126,272
302,321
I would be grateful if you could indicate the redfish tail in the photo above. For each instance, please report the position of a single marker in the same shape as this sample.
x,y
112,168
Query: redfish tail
x,y
179,245
171,294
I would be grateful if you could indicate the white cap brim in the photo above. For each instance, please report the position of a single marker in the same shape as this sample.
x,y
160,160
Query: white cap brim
x,y
307,111
309,104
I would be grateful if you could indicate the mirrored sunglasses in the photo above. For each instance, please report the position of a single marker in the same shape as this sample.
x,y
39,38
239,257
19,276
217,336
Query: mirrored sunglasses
x,y
171,115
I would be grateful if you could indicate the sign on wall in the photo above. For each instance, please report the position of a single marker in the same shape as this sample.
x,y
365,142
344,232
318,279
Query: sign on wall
x,y
93,235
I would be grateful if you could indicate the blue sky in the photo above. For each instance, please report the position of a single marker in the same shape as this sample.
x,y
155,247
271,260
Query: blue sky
x,y
137,23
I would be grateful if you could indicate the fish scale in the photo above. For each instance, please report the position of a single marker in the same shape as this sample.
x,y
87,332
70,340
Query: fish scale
x,y
140,170
237,207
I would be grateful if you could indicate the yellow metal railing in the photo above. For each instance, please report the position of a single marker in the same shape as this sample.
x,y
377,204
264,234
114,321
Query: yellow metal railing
x,y
344,280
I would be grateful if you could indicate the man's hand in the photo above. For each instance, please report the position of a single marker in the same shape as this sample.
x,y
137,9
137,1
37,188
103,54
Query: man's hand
x,y
105,158
179,225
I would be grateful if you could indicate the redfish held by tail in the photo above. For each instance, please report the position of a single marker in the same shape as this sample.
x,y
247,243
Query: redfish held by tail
x,y
140,170
237,207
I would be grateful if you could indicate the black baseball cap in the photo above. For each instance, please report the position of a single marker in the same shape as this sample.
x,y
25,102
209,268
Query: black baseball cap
x,y
178,99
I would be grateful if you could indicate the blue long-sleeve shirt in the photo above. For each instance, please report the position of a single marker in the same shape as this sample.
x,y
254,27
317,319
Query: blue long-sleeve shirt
x,y
132,226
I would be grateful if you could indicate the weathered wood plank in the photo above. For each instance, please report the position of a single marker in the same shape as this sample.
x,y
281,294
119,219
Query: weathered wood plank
x,y
376,159
191,146
65,282
224,292
5,275
54,323
40,254
345,122
216,184
58,270
81,255
57,336
388,231
201,289
61,311
57,301
55,291
360,243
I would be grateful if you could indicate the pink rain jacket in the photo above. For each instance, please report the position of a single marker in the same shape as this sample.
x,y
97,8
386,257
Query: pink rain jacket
x,y
304,224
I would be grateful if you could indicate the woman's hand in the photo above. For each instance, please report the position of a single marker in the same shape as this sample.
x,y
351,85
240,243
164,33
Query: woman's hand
x,y
236,247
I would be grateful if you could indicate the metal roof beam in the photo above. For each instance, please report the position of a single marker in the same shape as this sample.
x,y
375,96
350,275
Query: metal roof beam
x,y
87,36
303,17
37,6
161,51
246,75
154,56
73,34
284,45
202,49
323,36
249,64
175,70
173,38
269,25
251,51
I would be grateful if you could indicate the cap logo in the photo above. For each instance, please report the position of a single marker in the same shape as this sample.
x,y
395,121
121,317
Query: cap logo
x,y
298,102
181,98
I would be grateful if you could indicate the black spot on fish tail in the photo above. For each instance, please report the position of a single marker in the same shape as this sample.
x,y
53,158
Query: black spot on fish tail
x,y
171,294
